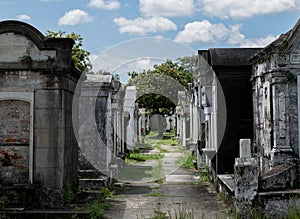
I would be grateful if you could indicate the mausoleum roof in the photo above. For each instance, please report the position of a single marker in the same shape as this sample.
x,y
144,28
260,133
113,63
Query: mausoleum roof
x,y
280,43
231,56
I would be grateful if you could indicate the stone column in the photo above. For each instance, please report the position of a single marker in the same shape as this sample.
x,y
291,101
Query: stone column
x,y
195,119
178,125
191,116
143,124
245,179
282,151
129,107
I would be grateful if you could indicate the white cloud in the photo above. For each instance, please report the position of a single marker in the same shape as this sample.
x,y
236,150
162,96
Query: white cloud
x,y
107,5
74,17
237,38
168,8
202,31
142,26
206,32
246,8
24,17
258,42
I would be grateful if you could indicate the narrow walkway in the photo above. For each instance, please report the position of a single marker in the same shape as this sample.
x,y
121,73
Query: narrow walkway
x,y
178,193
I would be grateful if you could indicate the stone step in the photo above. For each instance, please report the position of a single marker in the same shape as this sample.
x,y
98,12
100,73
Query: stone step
x,y
93,184
89,174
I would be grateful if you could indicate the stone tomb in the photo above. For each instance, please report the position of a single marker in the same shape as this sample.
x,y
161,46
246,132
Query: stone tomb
x,y
37,83
99,129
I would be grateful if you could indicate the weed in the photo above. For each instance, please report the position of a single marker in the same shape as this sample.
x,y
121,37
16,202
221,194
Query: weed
x,y
98,208
183,213
107,193
204,175
168,142
187,160
69,192
142,157
159,181
158,214
169,135
161,150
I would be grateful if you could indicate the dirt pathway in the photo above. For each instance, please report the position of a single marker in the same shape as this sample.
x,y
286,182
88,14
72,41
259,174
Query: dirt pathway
x,y
179,192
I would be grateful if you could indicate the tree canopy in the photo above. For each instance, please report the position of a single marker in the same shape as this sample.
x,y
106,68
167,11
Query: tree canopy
x,y
157,89
80,56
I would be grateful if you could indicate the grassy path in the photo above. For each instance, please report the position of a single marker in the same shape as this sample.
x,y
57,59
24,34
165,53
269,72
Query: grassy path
x,y
154,184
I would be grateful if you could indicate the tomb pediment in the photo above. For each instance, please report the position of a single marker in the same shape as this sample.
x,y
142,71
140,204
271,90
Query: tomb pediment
x,y
15,47
23,46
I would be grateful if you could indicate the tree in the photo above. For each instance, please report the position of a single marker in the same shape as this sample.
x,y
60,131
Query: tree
x,y
176,71
189,63
157,89
80,56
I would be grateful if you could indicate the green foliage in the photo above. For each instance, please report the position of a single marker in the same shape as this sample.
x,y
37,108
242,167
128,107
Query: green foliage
x,y
98,208
80,56
158,88
186,160
169,135
133,74
167,142
69,192
204,174
116,77
143,157
106,193
161,150
158,214
175,70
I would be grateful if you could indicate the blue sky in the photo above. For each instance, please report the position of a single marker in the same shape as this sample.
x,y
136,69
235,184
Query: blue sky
x,y
197,24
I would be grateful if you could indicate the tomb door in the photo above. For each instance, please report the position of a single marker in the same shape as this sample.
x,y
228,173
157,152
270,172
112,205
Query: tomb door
x,y
15,137
16,132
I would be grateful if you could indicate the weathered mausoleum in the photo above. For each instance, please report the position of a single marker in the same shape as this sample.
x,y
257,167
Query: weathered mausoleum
x,y
37,83
276,104
223,93
252,148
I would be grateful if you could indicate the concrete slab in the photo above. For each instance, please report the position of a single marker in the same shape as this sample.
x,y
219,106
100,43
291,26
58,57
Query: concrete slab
x,y
181,178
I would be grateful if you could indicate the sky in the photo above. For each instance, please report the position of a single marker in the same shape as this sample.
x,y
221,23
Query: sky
x,y
135,34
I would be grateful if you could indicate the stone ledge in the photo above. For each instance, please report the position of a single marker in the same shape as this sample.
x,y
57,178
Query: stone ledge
x,y
228,181
226,187
280,193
